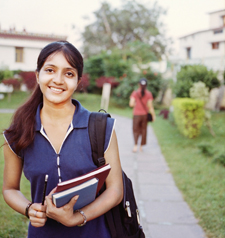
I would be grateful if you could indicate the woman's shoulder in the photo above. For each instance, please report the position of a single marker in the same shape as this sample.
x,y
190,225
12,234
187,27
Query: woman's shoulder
x,y
149,94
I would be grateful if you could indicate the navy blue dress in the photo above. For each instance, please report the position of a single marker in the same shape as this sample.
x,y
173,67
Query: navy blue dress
x,y
74,159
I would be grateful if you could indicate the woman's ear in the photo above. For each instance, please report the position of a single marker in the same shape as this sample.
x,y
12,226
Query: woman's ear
x,y
37,76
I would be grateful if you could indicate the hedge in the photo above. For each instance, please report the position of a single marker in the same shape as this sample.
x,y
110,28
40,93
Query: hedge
x,y
188,116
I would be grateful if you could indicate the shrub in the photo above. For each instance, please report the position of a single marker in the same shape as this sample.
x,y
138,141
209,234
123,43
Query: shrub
x,y
199,91
190,74
123,91
12,81
220,159
29,79
111,80
94,66
206,149
84,83
5,74
188,115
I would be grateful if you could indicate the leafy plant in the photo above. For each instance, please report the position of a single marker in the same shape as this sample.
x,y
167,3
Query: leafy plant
x,y
84,83
199,91
29,79
5,74
111,80
220,159
188,115
123,91
12,81
190,74
94,66
206,149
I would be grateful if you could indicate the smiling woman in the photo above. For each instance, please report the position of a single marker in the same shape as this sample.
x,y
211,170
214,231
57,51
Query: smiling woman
x,y
57,80
49,135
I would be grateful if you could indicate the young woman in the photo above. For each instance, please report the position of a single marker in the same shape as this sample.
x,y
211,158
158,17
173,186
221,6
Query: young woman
x,y
49,135
141,101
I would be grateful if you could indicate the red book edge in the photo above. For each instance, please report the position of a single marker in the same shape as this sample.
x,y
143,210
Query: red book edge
x,y
96,173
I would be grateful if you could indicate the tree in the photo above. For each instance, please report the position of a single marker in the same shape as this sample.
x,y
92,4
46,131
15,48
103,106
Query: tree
x,y
190,74
115,28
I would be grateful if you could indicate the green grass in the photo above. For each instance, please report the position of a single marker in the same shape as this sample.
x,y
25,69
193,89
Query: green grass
x,y
197,176
16,99
13,224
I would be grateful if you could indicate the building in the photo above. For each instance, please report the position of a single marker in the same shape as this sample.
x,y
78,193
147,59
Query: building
x,y
19,50
207,46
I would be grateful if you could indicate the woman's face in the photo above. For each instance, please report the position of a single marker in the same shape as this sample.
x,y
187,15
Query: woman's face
x,y
57,79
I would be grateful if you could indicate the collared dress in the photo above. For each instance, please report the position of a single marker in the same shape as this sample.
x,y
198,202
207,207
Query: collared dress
x,y
74,159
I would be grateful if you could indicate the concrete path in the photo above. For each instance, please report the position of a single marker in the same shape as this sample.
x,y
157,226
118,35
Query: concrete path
x,y
164,213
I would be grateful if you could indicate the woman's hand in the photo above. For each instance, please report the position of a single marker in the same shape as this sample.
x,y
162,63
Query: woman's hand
x,y
37,215
63,214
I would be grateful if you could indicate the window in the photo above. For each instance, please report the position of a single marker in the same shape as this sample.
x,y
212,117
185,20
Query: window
x,y
215,45
218,31
188,52
19,54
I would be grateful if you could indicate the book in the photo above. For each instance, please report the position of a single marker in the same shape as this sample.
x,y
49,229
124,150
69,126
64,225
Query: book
x,y
100,173
86,192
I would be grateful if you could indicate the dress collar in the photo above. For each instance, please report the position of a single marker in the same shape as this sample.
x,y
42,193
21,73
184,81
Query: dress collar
x,y
80,117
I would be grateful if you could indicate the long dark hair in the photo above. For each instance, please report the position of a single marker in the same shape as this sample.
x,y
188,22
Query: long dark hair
x,y
22,129
143,84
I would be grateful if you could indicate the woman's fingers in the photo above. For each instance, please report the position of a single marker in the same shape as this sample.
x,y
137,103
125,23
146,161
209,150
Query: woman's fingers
x,y
37,215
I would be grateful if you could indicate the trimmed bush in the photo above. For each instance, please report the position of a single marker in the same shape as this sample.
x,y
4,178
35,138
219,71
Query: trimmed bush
x,y
189,116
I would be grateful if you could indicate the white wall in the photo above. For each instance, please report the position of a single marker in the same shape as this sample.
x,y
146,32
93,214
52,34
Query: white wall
x,y
32,49
201,49
215,20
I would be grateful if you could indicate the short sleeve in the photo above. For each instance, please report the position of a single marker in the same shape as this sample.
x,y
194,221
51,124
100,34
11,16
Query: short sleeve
x,y
110,125
11,146
133,94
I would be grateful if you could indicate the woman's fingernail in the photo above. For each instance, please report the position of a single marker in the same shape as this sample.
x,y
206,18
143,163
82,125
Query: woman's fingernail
x,y
76,197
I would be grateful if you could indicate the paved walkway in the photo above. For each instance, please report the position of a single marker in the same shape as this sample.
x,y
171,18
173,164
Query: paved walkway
x,y
164,213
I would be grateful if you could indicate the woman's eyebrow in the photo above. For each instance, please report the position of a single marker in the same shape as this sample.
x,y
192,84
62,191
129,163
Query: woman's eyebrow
x,y
68,68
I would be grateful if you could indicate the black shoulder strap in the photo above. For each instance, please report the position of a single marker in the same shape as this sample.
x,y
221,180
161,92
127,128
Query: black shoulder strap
x,y
96,129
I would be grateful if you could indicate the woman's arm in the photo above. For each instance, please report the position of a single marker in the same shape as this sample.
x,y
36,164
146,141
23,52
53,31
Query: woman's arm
x,y
11,189
151,109
132,102
109,198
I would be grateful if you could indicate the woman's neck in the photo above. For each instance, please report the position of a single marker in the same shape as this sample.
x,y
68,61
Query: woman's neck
x,y
57,113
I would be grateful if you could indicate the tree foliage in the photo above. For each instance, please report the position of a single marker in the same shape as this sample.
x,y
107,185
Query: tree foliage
x,y
128,84
115,28
107,65
190,74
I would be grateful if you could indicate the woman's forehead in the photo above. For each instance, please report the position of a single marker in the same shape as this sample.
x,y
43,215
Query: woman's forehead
x,y
59,59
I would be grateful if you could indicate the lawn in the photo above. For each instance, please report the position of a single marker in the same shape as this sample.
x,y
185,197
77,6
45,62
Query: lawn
x,y
190,160
199,178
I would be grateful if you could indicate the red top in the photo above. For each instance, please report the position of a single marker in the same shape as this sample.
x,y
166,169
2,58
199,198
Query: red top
x,y
139,107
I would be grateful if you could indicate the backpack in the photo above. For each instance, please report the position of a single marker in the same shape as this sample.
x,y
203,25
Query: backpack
x,y
123,220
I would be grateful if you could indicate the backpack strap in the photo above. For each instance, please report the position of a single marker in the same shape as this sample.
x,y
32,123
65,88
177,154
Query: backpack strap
x,y
96,128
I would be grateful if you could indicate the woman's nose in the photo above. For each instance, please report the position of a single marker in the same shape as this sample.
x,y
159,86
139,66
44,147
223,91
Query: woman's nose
x,y
58,78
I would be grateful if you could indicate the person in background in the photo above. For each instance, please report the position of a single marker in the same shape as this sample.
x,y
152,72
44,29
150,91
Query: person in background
x,y
141,101
49,135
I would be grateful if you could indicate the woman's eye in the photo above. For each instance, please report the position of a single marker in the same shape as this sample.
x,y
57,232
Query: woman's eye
x,y
49,70
70,74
